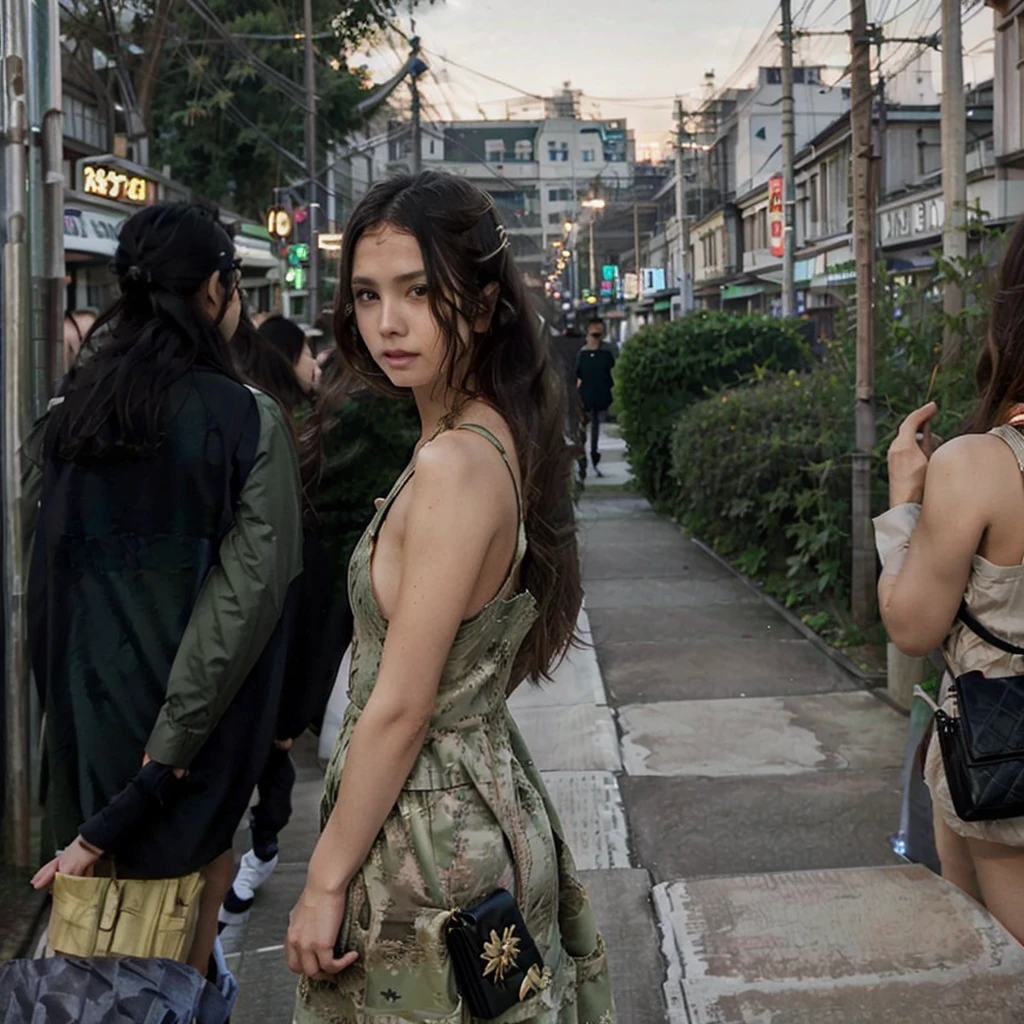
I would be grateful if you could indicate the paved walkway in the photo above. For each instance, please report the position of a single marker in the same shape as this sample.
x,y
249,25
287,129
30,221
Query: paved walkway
x,y
729,794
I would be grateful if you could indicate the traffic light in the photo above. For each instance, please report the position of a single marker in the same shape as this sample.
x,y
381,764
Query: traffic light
x,y
298,261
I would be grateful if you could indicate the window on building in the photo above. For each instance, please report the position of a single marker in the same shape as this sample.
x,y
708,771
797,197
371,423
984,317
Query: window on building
x,y
762,228
558,151
589,156
555,218
433,147
84,122
559,195
494,150
812,196
773,76
524,149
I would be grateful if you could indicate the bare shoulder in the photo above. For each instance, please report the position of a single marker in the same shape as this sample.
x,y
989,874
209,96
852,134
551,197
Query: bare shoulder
x,y
456,457
973,456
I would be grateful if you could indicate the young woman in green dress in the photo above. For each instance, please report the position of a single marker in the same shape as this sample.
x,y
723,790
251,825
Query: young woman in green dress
x,y
466,582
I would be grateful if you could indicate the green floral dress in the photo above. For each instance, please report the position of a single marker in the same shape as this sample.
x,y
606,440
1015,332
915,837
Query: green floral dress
x,y
473,816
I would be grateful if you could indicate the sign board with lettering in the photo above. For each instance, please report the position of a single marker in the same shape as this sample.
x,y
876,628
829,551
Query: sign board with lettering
x,y
119,185
776,216
912,221
91,231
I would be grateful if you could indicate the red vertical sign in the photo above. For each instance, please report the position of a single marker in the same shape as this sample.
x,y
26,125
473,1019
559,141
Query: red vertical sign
x,y
776,217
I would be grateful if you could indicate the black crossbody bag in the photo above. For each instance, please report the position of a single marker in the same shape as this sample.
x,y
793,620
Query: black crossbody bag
x,y
983,748
495,961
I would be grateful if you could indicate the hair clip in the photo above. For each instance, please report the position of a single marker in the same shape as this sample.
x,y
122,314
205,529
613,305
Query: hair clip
x,y
135,273
349,309
503,244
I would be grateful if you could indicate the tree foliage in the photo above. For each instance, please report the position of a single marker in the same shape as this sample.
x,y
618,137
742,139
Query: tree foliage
x,y
212,111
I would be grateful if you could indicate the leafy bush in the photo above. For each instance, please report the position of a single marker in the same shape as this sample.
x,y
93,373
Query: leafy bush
x,y
666,367
763,472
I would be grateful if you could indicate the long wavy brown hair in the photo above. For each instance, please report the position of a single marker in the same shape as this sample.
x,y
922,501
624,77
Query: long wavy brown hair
x,y
465,250
1000,371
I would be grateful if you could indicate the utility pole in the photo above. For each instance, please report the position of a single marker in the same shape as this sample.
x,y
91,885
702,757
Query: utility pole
x,y
417,125
53,287
954,167
313,285
683,235
593,260
863,597
788,162
15,322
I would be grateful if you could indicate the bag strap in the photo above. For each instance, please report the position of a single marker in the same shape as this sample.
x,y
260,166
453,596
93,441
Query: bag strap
x,y
979,630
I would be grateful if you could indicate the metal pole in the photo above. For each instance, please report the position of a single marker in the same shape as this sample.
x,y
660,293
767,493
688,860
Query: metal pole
x,y
15,321
788,161
863,598
417,127
593,261
53,205
682,236
313,284
954,166
636,237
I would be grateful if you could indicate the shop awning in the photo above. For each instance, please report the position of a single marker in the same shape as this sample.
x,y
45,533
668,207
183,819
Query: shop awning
x,y
662,305
255,254
741,291
91,230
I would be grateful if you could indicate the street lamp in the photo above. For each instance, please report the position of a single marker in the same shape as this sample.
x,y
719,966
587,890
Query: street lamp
x,y
593,204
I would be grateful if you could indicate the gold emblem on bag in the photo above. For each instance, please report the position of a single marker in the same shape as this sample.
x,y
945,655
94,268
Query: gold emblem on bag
x,y
501,953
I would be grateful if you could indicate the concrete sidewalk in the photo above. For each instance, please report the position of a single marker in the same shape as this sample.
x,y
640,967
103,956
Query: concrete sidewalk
x,y
761,785
729,794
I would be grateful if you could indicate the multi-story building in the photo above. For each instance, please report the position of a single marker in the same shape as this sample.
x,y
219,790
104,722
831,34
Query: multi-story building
x,y
537,171
1008,136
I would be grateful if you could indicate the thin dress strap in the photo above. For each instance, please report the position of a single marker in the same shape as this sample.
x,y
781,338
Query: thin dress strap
x,y
1012,436
476,428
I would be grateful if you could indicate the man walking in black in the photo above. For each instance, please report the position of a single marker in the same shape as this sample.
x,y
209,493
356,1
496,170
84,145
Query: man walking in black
x,y
594,381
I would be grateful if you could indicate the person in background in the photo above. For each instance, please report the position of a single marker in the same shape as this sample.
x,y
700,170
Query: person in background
x,y
77,324
168,538
291,341
594,382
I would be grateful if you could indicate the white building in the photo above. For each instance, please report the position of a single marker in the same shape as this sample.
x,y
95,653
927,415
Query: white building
x,y
537,170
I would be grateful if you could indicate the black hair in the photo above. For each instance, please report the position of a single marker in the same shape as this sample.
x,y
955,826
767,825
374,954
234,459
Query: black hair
x,y
285,335
154,334
264,365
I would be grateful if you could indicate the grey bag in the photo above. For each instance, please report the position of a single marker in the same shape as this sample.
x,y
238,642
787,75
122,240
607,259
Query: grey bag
x,y
129,990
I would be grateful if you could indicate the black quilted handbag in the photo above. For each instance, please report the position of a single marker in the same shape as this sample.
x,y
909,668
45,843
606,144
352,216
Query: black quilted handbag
x,y
983,748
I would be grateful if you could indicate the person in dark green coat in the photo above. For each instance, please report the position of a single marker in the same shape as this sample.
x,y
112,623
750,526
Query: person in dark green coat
x,y
167,542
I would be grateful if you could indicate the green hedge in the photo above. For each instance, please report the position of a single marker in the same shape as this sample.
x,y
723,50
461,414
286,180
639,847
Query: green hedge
x,y
762,473
666,367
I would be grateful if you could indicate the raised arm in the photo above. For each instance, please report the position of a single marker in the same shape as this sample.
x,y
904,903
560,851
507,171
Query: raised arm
x,y
451,522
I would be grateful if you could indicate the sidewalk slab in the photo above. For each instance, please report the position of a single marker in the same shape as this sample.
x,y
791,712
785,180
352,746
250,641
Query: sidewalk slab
x,y
857,946
574,738
761,735
713,667
630,622
625,915
694,827
590,808
674,594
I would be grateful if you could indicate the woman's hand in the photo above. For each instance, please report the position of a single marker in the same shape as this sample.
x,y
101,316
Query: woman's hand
x,y
313,928
78,859
908,457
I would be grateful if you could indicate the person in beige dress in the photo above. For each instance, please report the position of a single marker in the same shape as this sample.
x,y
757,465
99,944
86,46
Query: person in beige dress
x,y
955,531
466,582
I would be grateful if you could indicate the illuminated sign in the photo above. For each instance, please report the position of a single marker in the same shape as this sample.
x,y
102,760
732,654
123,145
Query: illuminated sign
x,y
776,216
111,183
279,222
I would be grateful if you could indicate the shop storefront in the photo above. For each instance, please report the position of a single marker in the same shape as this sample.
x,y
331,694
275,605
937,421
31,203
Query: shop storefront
x,y
261,267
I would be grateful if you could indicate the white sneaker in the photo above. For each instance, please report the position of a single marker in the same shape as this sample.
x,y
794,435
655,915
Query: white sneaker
x,y
252,873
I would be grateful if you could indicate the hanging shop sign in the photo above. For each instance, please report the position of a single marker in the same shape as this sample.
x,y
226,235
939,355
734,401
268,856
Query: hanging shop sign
x,y
119,185
776,216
